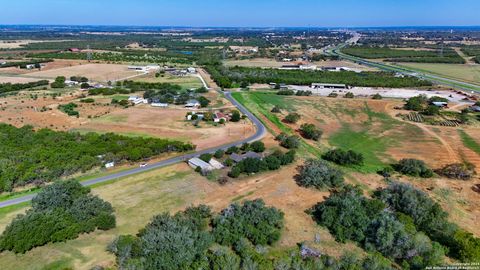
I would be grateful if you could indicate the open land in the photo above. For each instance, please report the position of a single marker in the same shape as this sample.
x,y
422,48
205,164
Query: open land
x,y
467,73
272,63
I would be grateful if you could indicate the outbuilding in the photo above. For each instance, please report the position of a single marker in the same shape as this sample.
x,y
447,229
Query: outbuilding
x,y
198,163
238,158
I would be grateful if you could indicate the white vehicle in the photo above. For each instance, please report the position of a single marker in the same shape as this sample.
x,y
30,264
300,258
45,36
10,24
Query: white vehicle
x,y
143,165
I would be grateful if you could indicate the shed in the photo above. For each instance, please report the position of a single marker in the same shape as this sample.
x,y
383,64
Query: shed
x,y
215,164
196,162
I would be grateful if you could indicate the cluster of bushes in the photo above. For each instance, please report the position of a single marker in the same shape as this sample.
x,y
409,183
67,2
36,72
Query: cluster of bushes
x,y
342,157
87,100
13,87
310,131
199,239
319,174
270,163
413,167
349,215
59,82
292,118
462,171
69,109
30,156
424,104
302,93
289,142
23,64
60,212
79,79
446,55
286,92
427,216
226,77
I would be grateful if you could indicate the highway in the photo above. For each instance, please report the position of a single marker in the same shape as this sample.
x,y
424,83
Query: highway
x,y
405,71
259,133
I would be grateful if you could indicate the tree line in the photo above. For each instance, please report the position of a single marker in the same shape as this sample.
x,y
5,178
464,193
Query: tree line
x,y
29,156
60,212
13,87
226,76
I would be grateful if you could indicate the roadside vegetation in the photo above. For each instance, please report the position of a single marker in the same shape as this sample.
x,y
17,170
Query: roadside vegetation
x,y
15,87
447,55
36,157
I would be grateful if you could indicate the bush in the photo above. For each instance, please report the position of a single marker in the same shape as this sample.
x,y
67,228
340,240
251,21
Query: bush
x,y
377,96
252,220
232,150
462,171
204,102
235,116
292,118
413,167
333,95
87,100
257,147
205,157
431,110
60,212
310,131
289,142
276,109
342,157
417,103
349,95
319,174
219,153
286,93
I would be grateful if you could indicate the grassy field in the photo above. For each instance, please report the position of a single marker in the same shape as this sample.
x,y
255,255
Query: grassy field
x,y
347,124
186,82
135,199
467,73
469,142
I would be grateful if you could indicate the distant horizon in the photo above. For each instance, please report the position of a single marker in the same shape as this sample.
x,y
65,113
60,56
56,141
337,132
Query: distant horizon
x,y
243,13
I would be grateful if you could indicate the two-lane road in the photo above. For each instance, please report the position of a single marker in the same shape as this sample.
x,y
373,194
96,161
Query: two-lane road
x,y
260,132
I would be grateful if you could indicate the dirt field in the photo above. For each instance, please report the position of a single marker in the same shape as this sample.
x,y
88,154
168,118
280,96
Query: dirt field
x,y
372,128
16,79
95,72
272,63
15,44
187,82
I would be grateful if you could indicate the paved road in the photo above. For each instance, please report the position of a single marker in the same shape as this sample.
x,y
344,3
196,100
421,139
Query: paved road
x,y
260,132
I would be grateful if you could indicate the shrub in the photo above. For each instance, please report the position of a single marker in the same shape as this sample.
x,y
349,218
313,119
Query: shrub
x,y
377,96
232,150
276,109
417,103
258,147
219,153
431,110
414,167
235,116
310,131
252,220
349,95
286,92
87,100
204,102
319,174
342,157
289,142
292,118
333,95
205,157
462,171
60,212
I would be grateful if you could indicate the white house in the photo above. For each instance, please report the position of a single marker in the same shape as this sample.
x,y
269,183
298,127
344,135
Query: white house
x,y
132,98
193,103
191,70
140,101
196,162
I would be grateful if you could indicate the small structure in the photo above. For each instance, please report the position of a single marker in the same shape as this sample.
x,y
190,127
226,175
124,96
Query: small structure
x,y
140,101
30,66
475,108
238,158
132,98
196,162
218,116
75,50
159,105
216,164
110,165
440,104
71,83
329,86
191,70
192,103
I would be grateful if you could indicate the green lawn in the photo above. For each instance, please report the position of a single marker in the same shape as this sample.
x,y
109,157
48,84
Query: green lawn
x,y
469,142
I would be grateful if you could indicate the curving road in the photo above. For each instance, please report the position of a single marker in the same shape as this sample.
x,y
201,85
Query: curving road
x,y
260,132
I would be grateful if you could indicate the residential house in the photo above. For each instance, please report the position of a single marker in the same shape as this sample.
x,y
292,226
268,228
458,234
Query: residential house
x,y
218,116
192,103
440,104
238,158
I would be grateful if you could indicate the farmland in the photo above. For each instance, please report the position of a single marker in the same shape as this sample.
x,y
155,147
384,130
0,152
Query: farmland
x,y
467,73
448,55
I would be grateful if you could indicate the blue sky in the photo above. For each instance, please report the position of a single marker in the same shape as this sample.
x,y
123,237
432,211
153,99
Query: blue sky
x,y
312,13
